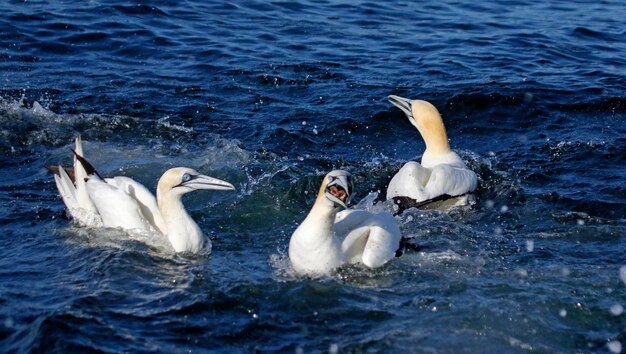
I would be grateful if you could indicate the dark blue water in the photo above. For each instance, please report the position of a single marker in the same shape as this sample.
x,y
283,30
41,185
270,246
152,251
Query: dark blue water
x,y
272,95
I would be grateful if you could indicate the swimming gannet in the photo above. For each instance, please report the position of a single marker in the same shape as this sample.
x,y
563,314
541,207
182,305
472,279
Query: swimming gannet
x,y
121,202
442,174
326,239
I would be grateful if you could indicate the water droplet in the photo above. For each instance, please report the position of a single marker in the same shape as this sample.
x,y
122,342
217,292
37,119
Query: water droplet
x,y
530,245
522,273
565,271
622,274
8,323
480,261
255,316
563,313
580,222
528,97
333,349
489,204
614,346
498,230
504,209
492,153
617,310
304,122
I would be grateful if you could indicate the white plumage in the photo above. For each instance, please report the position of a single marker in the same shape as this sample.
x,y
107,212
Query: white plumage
x,y
121,202
441,172
327,239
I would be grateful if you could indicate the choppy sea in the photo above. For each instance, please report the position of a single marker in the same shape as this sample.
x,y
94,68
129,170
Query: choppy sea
x,y
271,95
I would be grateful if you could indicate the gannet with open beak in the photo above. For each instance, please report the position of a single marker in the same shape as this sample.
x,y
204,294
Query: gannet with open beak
x,y
121,202
442,174
327,238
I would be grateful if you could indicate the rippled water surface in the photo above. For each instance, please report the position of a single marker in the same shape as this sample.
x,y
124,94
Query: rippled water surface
x,y
270,95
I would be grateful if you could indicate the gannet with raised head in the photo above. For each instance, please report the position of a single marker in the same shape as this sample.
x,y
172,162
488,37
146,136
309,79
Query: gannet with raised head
x,y
327,238
121,202
442,174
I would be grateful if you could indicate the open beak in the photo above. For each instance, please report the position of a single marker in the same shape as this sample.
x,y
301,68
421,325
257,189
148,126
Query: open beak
x,y
404,104
206,182
339,190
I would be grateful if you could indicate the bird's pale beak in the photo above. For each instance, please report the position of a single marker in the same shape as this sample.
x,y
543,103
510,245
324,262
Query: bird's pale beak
x,y
206,182
339,190
404,104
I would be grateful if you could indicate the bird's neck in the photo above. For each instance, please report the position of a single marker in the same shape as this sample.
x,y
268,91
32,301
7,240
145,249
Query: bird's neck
x,y
321,218
182,231
433,133
171,206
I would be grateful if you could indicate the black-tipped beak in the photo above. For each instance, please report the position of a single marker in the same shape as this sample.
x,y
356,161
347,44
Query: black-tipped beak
x,y
403,103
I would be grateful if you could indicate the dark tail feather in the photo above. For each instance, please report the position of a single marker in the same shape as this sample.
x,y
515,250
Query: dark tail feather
x,y
86,165
407,245
405,203
55,170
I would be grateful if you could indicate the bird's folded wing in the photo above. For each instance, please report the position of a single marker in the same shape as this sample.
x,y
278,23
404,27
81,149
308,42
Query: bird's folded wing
x,y
368,238
383,241
349,219
409,182
446,179
144,198
115,206
354,243
67,190
80,174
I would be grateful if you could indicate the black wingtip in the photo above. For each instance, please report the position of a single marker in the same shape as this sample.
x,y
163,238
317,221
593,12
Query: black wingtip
x,y
405,203
86,165
53,169
408,245
56,171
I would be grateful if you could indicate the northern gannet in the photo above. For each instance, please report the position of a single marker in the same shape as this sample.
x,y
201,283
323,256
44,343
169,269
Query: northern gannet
x,y
327,238
121,202
442,174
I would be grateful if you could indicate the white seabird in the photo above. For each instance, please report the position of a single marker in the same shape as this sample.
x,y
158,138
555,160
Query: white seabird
x,y
327,238
442,174
121,202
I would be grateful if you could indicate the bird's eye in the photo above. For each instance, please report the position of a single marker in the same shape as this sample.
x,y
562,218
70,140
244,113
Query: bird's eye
x,y
186,177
